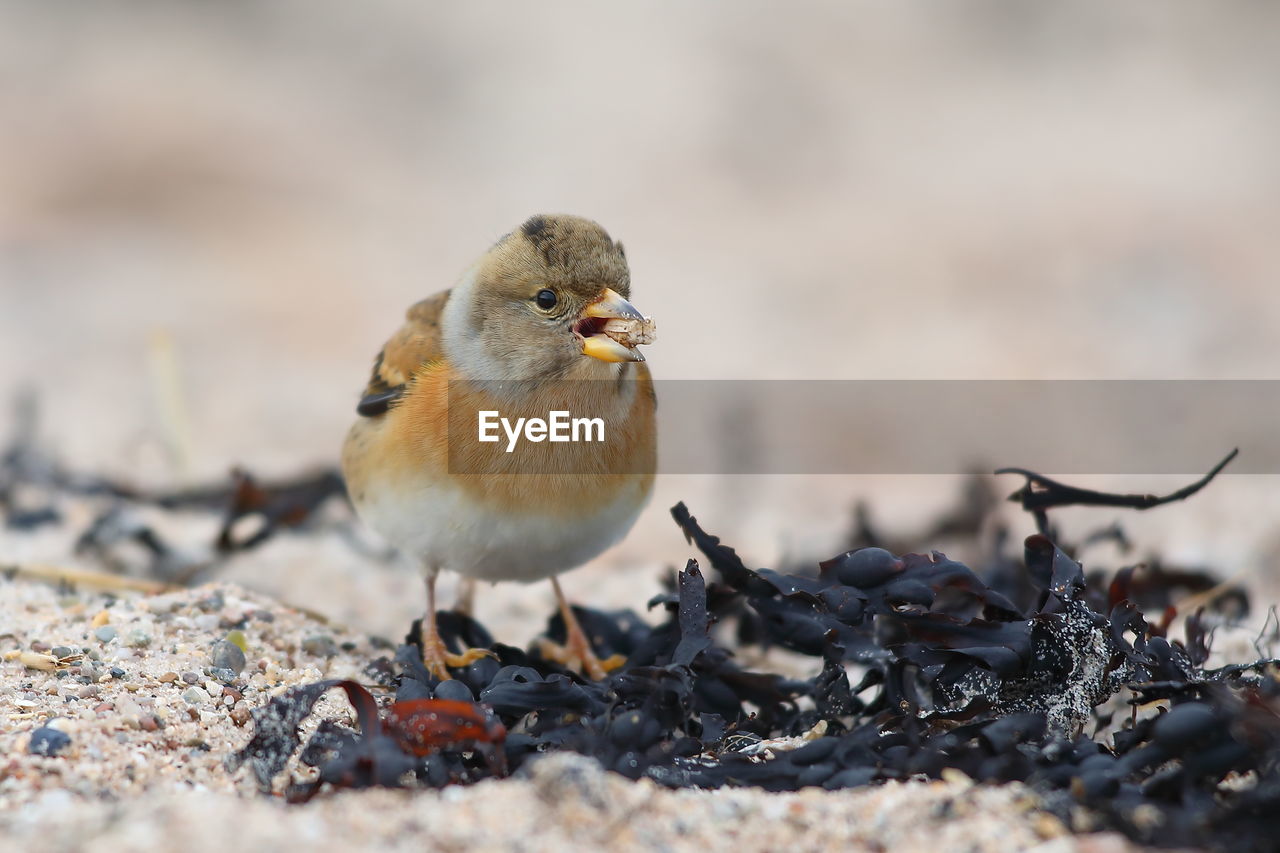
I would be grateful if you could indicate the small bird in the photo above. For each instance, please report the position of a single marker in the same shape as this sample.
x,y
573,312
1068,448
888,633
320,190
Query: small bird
x,y
541,323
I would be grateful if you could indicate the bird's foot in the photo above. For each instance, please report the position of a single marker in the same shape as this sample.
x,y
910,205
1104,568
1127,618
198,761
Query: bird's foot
x,y
579,656
438,659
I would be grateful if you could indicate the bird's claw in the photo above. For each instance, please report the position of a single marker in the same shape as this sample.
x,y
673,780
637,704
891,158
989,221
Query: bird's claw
x,y
439,660
580,657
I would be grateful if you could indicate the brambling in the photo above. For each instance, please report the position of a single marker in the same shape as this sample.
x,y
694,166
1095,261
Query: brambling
x,y
547,302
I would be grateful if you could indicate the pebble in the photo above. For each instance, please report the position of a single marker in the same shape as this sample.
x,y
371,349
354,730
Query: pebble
x,y
222,673
227,655
240,714
238,638
88,692
168,677
137,639
190,678
321,645
48,741
210,603
195,696
64,651
105,634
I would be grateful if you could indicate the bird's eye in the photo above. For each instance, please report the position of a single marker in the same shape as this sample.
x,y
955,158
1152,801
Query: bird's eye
x,y
546,299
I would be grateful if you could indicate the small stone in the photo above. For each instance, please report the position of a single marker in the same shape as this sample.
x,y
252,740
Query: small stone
x,y
222,673
149,722
238,638
48,741
168,677
117,672
320,645
105,634
102,707
226,654
190,678
213,601
102,618
137,639
88,692
240,714
64,651
195,696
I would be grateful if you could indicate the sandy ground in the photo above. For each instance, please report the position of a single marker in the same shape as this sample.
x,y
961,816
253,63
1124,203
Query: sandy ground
x,y
148,727
212,216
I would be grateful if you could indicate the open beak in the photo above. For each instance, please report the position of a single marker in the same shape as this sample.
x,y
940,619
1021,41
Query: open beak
x,y
611,329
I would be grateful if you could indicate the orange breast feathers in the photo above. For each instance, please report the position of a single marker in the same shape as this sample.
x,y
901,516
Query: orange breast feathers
x,y
435,430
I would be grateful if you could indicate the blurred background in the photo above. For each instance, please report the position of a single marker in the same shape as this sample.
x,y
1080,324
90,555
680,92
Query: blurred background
x,y
213,214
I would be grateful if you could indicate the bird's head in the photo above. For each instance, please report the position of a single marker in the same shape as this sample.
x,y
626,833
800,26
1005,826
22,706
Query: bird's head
x,y
550,299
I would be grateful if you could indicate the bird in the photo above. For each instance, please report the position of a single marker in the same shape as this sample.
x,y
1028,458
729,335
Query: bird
x,y
542,322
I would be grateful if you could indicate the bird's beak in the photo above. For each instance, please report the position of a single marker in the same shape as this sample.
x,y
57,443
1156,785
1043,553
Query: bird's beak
x,y
611,328
611,306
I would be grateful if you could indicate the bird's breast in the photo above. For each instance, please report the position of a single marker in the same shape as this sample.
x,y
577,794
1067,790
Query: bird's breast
x,y
425,478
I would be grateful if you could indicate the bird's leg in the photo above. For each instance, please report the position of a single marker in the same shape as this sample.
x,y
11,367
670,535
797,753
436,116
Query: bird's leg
x,y
576,653
435,656
466,600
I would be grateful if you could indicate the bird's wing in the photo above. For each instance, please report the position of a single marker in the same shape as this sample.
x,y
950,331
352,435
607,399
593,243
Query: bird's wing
x,y
417,342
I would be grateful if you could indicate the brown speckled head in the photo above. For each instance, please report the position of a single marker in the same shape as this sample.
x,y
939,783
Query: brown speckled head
x,y
576,252
500,324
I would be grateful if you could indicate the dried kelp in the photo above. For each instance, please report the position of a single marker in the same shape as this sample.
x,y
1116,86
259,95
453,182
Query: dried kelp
x,y
122,535
388,746
926,665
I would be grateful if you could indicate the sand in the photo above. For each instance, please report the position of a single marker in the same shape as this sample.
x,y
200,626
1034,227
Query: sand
x,y
144,767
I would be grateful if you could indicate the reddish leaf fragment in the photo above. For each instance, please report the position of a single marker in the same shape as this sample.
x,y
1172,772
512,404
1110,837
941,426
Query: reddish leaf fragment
x,y
424,726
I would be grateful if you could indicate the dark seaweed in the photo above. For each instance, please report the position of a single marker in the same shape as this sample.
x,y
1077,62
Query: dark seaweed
x,y
951,673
